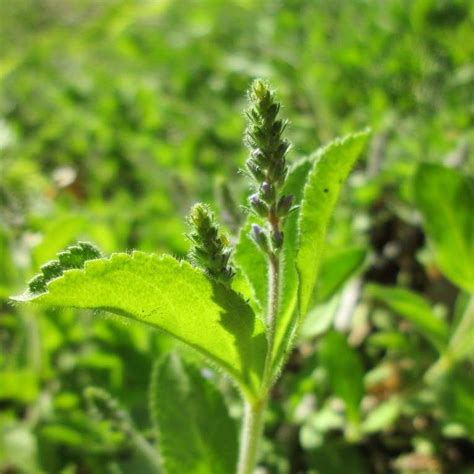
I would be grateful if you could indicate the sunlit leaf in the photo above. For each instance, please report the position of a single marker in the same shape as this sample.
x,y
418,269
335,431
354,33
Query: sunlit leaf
x,y
321,193
173,297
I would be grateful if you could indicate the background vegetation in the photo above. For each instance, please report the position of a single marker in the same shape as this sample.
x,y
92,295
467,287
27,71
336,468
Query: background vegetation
x,y
116,116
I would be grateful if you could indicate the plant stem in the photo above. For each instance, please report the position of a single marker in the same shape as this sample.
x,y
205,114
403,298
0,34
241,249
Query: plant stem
x,y
272,312
252,428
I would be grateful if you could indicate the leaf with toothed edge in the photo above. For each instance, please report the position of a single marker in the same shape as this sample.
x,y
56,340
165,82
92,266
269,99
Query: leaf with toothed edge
x,y
321,193
174,297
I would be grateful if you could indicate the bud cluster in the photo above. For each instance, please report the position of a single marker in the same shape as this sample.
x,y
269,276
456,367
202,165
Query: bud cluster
x,y
267,164
210,250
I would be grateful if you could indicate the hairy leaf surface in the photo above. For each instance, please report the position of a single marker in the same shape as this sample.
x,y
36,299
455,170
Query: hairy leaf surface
x,y
287,316
195,432
174,297
332,166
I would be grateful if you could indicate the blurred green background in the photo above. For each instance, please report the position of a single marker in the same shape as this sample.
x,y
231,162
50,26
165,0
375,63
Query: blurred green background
x,y
116,116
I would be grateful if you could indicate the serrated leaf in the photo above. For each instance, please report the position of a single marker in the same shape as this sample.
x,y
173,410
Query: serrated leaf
x,y
446,200
415,309
195,433
321,193
174,297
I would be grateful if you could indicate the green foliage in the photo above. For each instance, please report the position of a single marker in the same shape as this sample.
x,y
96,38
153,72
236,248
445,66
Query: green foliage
x,y
210,251
117,116
267,163
336,269
173,297
446,200
416,310
345,372
73,257
250,261
332,165
195,432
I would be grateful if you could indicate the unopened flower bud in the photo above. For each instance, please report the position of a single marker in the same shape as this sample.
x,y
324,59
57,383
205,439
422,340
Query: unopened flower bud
x,y
284,205
268,191
260,237
210,250
260,89
255,170
277,239
258,205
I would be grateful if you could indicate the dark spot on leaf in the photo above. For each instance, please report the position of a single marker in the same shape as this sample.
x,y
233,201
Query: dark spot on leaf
x,y
326,190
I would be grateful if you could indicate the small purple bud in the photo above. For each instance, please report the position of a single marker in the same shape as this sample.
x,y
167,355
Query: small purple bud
x,y
277,239
257,230
284,205
260,238
267,191
258,205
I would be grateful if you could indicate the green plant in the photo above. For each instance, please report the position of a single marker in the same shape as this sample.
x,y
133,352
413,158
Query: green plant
x,y
241,313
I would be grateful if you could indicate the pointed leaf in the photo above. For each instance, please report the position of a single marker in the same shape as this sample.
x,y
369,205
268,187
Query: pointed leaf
x,y
195,433
415,309
321,193
446,200
174,297
287,316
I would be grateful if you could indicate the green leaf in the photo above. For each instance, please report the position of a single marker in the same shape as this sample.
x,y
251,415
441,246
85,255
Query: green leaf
x,y
332,166
195,433
460,343
345,371
336,269
415,309
383,416
287,316
335,456
252,263
250,260
455,397
446,200
320,318
171,296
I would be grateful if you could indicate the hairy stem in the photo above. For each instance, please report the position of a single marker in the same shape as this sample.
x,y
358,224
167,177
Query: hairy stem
x,y
272,312
252,428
